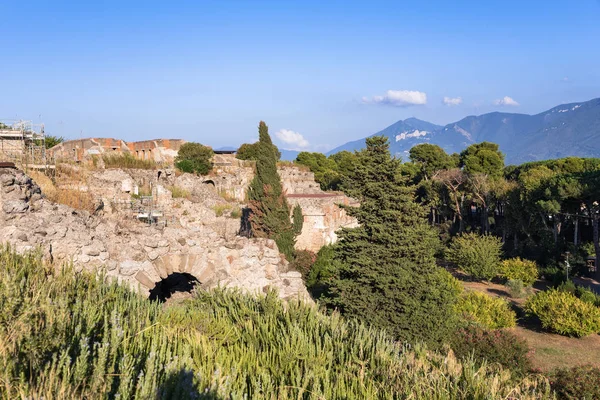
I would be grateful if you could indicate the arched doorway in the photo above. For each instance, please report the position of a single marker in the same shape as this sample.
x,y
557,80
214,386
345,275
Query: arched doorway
x,y
177,282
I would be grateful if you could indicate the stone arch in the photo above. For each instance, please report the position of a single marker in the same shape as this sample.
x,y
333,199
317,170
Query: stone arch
x,y
209,182
194,265
176,282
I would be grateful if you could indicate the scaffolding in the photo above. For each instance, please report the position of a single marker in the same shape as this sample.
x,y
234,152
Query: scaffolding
x,y
24,143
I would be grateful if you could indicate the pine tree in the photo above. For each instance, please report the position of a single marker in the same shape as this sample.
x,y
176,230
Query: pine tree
x,y
270,213
388,276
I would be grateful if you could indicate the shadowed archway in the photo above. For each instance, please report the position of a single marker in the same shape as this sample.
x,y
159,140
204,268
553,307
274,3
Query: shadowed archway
x,y
176,282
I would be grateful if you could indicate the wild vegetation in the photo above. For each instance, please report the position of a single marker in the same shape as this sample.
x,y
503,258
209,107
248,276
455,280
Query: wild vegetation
x,y
126,161
194,158
66,335
270,212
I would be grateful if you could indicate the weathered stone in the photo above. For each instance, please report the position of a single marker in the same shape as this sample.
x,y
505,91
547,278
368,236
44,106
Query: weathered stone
x,y
128,268
8,189
40,232
7,180
142,278
22,237
15,206
151,242
153,255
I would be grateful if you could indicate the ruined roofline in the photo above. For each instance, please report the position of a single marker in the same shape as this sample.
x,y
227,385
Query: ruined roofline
x,y
99,140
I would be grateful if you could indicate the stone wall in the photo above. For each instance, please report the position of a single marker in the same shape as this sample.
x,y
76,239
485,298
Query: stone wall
x,y
134,253
322,218
159,150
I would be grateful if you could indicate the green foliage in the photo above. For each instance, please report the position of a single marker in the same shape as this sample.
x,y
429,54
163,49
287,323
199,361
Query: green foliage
x,y
270,216
325,268
430,158
251,152
587,295
297,219
303,262
576,383
516,289
51,141
489,312
325,169
67,335
517,269
563,313
484,158
567,287
126,160
387,275
194,158
478,256
497,347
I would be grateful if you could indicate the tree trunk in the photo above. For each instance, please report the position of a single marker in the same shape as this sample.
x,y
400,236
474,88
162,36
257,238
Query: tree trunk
x,y
556,229
576,233
596,244
515,241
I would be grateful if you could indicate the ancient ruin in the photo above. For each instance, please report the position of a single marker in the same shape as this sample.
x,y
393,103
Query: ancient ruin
x,y
148,227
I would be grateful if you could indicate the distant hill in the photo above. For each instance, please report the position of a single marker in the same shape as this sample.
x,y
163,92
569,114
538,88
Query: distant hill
x,y
566,130
288,155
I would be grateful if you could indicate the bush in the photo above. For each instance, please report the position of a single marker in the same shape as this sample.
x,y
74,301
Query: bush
x,y
553,274
303,262
563,313
517,269
478,256
581,382
498,346
194,158
490,312
587,295
515,288
567,287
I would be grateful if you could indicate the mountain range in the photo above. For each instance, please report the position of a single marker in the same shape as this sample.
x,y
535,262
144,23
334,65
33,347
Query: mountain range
x,y
566,130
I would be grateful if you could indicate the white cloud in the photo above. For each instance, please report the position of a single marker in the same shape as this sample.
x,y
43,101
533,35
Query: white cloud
x,y
506,101
292,138
399,98
452,101
406,135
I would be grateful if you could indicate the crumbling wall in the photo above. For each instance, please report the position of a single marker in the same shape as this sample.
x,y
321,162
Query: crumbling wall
x,y
138,254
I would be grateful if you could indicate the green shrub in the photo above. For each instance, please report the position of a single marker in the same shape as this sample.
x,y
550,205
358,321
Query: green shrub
x,y
67,335
323,270
194,158
515,288
563,313
587,295
524,270
553,274
490,312
478,256
576,383
497,347
567,287
303,262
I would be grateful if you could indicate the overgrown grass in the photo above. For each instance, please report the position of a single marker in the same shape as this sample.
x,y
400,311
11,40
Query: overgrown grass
x,y
179,193
74,198
66,335
126,160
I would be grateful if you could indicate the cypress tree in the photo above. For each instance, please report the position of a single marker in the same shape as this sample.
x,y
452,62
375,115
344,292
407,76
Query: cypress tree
x,y
270,213
388,276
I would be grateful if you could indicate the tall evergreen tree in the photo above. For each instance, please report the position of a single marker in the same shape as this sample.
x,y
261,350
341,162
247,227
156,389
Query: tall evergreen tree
x,y
388,276
270,213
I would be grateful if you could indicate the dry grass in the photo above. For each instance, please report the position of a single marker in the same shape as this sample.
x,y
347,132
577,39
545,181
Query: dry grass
x,y
77,199
127,161
179,193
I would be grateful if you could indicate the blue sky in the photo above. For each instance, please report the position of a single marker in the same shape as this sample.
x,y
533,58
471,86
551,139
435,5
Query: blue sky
x,y
320,73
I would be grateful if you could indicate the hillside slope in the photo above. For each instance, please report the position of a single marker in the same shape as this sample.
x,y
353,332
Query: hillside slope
x,y
566,130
